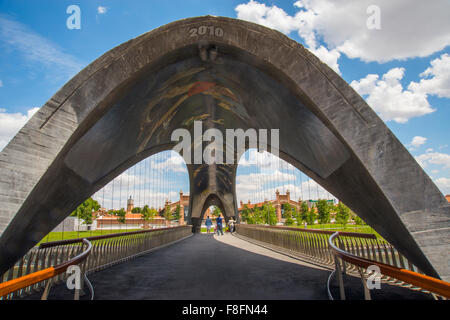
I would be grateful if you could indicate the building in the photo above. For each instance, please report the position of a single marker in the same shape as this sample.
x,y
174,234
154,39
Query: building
x,y
278,202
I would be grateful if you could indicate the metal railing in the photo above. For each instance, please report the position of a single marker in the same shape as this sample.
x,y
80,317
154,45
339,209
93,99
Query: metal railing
x,y
316,246
44,278
393,267
104,251
310,244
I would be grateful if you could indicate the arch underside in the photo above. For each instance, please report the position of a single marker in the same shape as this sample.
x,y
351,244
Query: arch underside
x,y
125,106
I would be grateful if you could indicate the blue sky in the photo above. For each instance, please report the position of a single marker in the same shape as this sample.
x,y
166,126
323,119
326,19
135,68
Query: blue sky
x,y
402,69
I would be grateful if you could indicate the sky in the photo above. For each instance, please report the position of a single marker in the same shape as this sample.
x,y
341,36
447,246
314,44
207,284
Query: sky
x,y
395,54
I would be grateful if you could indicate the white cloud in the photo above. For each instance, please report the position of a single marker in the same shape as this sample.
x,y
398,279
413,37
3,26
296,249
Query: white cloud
x,y
436,158
276,18
174,163
443,184
389,99
11,123
102,10
35,48
342,26
417,141
1,83
436,78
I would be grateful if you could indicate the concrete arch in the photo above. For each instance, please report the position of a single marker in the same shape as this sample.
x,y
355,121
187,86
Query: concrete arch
x,y
128,101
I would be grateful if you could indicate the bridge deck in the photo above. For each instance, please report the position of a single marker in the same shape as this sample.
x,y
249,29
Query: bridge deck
x,y
220,267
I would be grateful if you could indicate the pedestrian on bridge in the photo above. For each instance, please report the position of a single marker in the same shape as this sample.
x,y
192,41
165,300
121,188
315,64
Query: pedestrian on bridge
x,y
231,225
208,224
219,225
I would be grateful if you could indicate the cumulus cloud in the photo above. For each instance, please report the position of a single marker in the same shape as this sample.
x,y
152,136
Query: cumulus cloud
x,y
273,173
11,123
174,162
417,141
443,184
436,78
276,18
390,99
436,158
342,26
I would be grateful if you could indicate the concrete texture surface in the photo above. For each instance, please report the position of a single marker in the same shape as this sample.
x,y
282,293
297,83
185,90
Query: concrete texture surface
x,y
124,106
199,268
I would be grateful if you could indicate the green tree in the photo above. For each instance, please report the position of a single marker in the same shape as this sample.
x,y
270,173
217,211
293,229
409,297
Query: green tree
x,y
358,220
148,214
267,214
216,211
120,215
323,211
311,217
245,213
304,213
177,212
84,210
288,211
342,214
136,210
168,214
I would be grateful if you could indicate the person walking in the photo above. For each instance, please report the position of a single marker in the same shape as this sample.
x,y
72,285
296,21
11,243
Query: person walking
x,y
231,223
219,225
208,224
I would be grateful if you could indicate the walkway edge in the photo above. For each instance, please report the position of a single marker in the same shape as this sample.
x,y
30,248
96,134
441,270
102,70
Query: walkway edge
x,y
103,267
283,252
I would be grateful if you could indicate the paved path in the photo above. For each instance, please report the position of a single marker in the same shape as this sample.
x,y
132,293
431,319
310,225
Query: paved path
x,y
212,267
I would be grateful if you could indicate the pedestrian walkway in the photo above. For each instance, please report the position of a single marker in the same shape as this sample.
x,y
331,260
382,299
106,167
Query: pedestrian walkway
x,y
213,267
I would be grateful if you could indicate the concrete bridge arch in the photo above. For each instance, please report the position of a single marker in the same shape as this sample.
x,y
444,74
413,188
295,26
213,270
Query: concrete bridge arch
x,y
229,73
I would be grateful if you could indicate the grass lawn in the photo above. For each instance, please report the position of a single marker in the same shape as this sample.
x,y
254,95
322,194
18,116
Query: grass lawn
x,y
56,236
339,227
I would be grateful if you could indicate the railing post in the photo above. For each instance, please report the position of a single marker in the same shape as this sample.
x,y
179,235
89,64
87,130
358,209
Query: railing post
x,y
340,277
47,289
364,281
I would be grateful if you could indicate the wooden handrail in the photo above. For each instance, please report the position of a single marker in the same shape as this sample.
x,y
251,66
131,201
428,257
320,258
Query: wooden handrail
x,y
431,284
41,275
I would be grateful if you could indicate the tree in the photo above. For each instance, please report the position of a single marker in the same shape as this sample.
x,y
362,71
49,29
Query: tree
x,y
342,214
288,214
148,214
84,210
177,212
167,214
267,214
304,213
358,220
216,212
136,210
311,217
245,213
323,210
120,215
